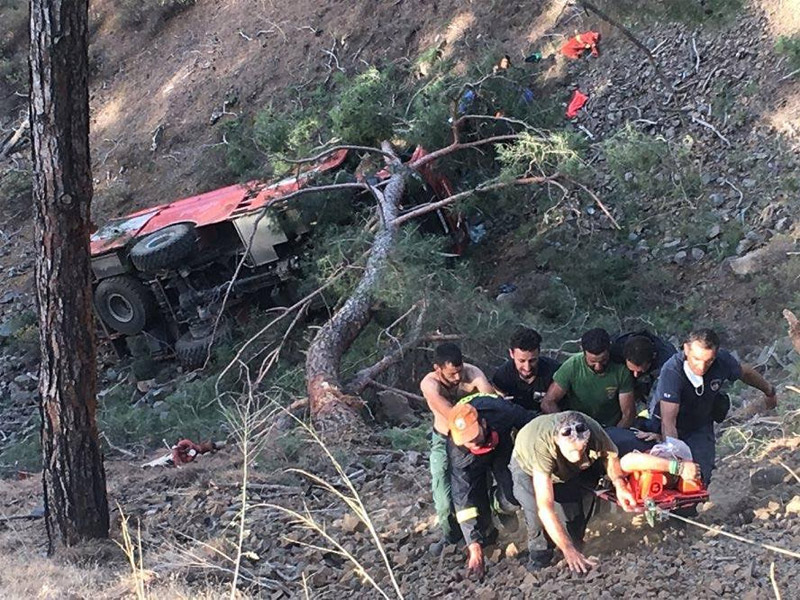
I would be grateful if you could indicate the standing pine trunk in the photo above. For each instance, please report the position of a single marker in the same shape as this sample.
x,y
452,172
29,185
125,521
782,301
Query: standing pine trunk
x,y
74,479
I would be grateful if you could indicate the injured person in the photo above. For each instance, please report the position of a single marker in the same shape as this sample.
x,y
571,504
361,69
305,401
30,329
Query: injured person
x,y
663,480
670,456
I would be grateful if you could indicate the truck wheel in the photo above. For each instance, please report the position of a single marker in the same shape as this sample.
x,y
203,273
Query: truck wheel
x,y
164,248
192,350
124,303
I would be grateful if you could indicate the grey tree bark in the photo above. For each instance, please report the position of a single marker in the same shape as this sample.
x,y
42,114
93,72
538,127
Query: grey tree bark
x,y
76,506
335,412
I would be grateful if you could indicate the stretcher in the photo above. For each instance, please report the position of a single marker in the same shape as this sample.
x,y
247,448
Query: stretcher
x,y
654,495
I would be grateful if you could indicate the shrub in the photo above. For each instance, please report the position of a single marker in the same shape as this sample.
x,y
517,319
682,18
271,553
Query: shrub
x,y
364,113
651,165
790,47
407,438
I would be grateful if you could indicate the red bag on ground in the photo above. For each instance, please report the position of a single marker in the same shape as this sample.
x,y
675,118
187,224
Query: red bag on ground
x,y
574,47
576,103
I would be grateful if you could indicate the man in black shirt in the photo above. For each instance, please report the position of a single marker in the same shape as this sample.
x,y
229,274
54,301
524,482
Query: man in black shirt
x,y
644,354
525,376
480,445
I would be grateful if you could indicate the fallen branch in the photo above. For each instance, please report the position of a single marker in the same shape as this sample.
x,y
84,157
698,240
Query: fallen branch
x,y
12,143
388,388
708,125
599,203
428,207
790,75
361,379
791,471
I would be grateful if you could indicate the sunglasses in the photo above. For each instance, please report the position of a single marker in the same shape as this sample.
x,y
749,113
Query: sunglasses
x,y
578,430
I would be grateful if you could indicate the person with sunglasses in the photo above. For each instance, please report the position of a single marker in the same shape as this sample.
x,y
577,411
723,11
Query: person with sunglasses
x,y
556,463
480,446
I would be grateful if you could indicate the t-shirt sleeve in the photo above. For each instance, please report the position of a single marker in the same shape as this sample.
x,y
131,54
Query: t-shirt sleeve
x,y
669,386
625,380
500,379
550,367
543,462
732,367
563,375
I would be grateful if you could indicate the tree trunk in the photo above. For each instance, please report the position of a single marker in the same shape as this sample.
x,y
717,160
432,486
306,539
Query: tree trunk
x,y
76,505
334,412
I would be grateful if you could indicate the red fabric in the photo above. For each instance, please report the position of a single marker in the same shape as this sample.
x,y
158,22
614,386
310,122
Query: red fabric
x,y
574,47
185,451
576,103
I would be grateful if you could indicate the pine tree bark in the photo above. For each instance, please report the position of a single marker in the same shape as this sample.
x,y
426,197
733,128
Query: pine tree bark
x,y
336,413
76,506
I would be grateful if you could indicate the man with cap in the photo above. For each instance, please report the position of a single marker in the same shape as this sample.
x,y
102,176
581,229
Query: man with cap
x,y
450,380
526,375
690,397
481,445
556,463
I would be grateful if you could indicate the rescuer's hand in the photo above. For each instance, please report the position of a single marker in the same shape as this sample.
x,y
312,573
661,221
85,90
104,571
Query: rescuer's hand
x,y
689,471
475,565
624,496
578,562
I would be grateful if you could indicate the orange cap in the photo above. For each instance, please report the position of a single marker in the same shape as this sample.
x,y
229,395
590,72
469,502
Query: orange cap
x,y
464,423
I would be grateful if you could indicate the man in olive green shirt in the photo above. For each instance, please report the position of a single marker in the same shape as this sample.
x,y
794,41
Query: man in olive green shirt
x,y
590,383
556,462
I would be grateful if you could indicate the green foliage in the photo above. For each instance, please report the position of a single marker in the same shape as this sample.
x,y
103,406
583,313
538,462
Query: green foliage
x,y
20,333
789,47
364,112
407,438
22,455
429,109
242,156
190,411
594,277
284,133
13,44
651,165
16,187
535,154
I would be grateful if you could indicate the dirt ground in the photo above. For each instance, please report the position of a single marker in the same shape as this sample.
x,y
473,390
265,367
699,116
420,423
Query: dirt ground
x,y
185,518
164,79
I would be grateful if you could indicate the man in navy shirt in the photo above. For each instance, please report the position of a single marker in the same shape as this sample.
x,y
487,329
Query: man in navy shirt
x,y
690,387
480,445
526,375
644,354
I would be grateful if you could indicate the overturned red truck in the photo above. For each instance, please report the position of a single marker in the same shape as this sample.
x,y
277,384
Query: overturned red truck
x,y
163,271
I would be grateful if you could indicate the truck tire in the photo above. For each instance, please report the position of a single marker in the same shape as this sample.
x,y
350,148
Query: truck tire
x,y
164,248
124,303
192,350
